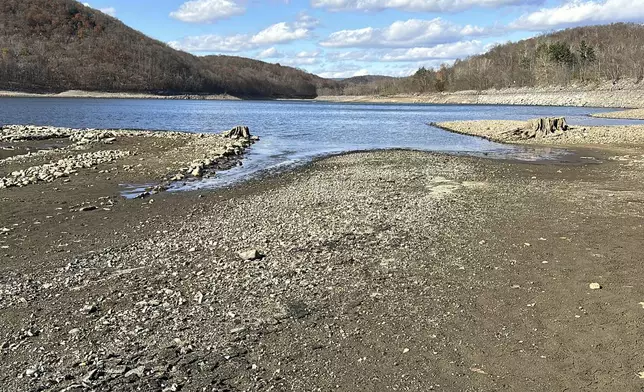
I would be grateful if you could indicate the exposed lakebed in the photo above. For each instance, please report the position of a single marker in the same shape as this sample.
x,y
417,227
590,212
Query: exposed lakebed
x,y
295,132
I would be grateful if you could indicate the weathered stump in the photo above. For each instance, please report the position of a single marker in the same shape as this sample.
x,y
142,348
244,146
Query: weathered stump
x,y
541,127
239,131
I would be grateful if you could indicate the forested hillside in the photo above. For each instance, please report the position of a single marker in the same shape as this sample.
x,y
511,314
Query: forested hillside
x,y
579,56
57,45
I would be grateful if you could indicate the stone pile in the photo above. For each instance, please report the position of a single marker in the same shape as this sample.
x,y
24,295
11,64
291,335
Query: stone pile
x,y
62,168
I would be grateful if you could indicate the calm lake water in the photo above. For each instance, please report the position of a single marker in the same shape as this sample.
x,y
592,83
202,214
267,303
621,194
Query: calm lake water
x,y
293,132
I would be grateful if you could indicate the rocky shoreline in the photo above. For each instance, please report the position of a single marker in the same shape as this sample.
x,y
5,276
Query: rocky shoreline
x,y
369,271
198,156
602,96
387,270
122,95
632,114
502,131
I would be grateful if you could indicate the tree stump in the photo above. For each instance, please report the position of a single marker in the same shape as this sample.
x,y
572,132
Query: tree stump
x,y
239,131
541,127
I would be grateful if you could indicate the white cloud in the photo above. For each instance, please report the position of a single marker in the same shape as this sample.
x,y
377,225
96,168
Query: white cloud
x,y
297,59
278,33
577,12
343,74
409,33
304,54
275,34
305,21
442,51
111,11
270,53
207,11
416,5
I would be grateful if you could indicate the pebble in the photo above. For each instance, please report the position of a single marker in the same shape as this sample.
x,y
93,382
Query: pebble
x,y
251,254
595,286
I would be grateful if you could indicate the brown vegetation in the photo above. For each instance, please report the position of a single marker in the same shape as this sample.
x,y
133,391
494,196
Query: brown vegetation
x,y
57,45
583,55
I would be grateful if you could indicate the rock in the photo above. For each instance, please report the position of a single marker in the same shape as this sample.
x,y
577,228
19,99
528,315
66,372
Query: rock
x,y
91,375
251,254
196,172
237,330
136,372
90,309
87,208
595,286
121,369
74,331
198,297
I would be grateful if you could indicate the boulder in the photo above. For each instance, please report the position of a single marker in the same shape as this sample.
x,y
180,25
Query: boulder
x,y
250,254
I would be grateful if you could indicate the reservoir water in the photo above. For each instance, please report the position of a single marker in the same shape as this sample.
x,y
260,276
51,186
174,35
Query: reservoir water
x,y
294,132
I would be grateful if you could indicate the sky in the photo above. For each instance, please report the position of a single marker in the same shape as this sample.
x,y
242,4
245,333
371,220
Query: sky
x,y
345,38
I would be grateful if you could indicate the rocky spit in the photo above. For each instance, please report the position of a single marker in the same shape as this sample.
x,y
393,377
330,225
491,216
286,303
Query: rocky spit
x,y
502,131
198,154
632,114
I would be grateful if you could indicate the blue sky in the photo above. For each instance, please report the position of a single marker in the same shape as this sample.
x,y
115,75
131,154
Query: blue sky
x,y
344,38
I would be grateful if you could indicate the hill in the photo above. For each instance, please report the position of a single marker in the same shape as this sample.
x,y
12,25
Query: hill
x,y
58,45
589,55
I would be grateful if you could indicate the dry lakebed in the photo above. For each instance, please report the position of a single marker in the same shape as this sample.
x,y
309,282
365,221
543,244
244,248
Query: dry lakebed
x,y
370,271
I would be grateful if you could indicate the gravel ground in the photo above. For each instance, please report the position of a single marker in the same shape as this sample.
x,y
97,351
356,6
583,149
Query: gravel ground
x,y
498,130
635,114
389,270
622,95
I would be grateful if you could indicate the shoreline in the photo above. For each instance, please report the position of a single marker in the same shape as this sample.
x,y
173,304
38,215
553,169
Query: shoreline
x,y
599,98
627,98
500,131
632,114
334,260
121,95
290,281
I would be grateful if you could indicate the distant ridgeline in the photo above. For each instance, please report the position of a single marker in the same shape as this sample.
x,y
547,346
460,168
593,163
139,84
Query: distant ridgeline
x,y
582,55
57,45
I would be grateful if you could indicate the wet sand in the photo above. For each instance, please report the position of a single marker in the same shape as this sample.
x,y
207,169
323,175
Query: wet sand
x,y
388,270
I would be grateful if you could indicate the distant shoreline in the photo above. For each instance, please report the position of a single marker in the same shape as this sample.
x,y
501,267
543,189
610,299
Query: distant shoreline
x,y
601,98
618,98
122,95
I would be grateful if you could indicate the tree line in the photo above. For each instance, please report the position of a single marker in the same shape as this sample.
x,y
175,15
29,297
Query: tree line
x,y
578,56
58,45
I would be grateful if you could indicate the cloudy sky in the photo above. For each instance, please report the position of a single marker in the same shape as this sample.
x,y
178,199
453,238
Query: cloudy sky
x,y
343,38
